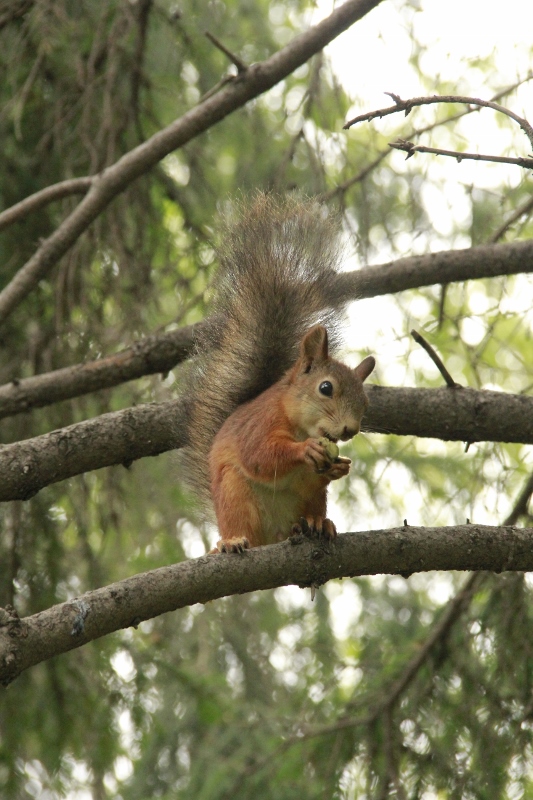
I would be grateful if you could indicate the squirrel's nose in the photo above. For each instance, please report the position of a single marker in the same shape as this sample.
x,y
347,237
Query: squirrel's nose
x,y
349,433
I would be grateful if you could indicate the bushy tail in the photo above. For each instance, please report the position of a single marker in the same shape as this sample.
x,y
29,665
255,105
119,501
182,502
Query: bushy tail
x,y
278,262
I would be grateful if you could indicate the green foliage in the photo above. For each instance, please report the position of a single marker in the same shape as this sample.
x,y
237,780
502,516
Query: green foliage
x,y
270,695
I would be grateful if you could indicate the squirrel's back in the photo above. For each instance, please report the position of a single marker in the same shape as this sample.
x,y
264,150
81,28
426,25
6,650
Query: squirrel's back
x,y
278,258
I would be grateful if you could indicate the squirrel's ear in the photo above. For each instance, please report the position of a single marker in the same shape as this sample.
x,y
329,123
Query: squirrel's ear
x,y
314,346
365,368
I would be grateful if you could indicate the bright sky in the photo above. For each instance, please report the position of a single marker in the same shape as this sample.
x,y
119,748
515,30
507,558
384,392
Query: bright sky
x,y
372,57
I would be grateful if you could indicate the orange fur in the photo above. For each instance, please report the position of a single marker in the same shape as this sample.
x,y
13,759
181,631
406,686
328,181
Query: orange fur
x,y
267,467
255,409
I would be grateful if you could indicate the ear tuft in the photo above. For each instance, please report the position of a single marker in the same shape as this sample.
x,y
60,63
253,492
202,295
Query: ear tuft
x,y
314,347
364,369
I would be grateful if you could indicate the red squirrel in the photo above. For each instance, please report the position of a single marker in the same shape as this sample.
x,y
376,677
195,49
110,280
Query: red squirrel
x,y
267,399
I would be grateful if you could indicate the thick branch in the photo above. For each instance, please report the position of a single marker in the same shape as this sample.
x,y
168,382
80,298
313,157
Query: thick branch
x,y
161,353
146,357
251,83
116,438
448,266
461,414
299,561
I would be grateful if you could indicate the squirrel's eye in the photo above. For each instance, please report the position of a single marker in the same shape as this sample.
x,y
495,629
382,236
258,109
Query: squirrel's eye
x,y
326,387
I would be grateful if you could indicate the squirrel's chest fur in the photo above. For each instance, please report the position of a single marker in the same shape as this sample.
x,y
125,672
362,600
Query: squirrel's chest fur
x,y
283,501
258,490
269,507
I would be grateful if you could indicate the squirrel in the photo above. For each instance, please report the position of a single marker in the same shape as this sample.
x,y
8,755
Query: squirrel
x,y
267,399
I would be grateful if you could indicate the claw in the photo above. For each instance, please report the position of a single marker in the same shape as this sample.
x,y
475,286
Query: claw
x,y
315,526
328,529
233,545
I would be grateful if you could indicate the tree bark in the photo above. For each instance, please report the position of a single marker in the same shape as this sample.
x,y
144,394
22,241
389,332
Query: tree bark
x,y
298,560
162,352
146,357
448,266
459,414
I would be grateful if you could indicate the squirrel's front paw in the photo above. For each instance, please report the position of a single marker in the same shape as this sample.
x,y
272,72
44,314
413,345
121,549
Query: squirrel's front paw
x,y
316,455
339,469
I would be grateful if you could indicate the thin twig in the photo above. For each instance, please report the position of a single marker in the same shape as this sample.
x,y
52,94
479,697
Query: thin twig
x,y
241,66
361,175
407,105
343,187
217,87
442,303
411,148
42,198
525,208
143,15
521,506
392,776
435,358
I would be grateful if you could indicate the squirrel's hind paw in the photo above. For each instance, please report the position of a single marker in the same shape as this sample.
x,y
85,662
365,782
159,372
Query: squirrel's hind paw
x,y
312,526
237,545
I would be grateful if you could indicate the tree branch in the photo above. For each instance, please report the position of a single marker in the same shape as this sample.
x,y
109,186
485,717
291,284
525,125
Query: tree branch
x,y
435,358
460,414
521,506
119,437
411,148
241,66
439,632
146,357
42,198
256,80
343,187
408,105
298,560
161,353
448,266
525,208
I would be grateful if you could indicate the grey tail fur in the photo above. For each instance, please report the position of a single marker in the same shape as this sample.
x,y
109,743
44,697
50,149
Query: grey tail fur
x,y
278,262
